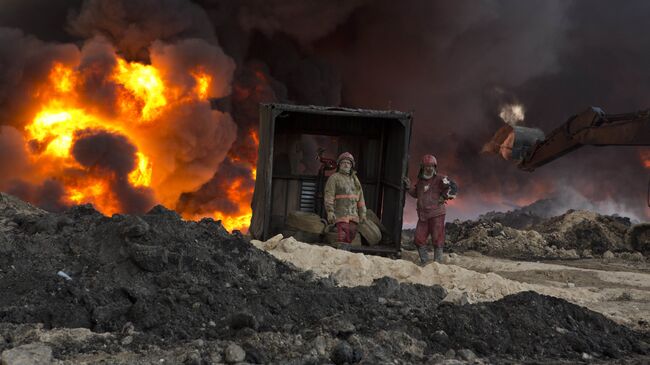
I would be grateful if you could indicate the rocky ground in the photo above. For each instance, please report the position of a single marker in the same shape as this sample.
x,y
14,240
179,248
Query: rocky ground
x,y
523,235
81,288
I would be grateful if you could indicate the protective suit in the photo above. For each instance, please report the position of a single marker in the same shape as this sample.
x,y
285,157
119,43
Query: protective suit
x,y
343,198
431,190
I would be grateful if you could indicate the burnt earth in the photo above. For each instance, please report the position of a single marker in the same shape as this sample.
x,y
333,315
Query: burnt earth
x,y
173,282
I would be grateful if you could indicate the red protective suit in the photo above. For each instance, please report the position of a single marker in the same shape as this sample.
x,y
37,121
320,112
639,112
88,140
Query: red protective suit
x,y
346,231
431,209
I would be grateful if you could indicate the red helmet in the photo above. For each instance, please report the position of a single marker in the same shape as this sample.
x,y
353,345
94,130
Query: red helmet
x,y
429,160
345,156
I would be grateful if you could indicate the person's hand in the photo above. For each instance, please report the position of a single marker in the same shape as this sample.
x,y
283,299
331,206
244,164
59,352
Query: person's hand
x,y
331,217
407,182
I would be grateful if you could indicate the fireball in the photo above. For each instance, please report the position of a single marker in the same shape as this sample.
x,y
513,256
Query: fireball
x,y
133,118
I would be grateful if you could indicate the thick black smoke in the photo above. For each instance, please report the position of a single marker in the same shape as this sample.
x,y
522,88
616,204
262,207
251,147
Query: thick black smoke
x,y
453,63
112,156
48,194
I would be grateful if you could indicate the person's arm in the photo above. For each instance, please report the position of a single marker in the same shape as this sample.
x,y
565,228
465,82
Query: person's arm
x,y
410,189
328,198
361,205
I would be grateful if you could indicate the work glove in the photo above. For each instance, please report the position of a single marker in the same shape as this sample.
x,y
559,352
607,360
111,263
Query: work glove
x,y
407,182
331,217
452,188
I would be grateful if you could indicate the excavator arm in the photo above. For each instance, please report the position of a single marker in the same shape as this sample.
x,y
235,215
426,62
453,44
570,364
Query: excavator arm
x,y
531,149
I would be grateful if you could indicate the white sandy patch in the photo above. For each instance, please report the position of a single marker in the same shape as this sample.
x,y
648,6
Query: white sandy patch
x,y
463,284
486,263
354,269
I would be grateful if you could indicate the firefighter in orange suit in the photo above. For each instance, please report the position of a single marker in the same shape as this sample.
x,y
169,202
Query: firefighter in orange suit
x,y
432,190
343,198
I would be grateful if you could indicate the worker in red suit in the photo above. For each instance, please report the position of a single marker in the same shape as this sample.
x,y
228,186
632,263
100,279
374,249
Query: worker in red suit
x,y
432,191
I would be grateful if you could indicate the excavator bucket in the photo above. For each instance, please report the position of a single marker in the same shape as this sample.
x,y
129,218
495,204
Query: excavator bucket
x,y
513,143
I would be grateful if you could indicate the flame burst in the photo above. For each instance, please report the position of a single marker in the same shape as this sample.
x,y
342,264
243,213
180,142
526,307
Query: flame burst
x,y
645,158
143,89
143,96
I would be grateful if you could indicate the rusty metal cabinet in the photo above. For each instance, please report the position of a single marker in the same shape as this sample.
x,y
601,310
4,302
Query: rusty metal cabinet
x,y
287,167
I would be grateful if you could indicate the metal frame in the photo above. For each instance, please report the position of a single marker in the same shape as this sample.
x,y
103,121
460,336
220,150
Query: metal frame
x,y
260,225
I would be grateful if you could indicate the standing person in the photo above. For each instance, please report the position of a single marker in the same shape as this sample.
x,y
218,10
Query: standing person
x,y
431,191
343,198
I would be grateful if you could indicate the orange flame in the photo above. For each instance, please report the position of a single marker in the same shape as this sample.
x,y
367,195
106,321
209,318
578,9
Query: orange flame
x,y
144,86
239,193
141,175
203,81
144,96
645,158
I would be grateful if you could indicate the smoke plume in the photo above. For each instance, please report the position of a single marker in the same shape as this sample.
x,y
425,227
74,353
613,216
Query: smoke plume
x,y
458,65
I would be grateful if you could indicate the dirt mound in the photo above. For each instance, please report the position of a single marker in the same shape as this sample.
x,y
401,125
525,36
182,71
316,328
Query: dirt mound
x,y
495,239
568,236
582,230
156,283
12,207
557,326
525,217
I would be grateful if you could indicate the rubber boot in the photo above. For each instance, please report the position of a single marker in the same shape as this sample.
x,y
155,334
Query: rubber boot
x,y
424,255
344,246
437,255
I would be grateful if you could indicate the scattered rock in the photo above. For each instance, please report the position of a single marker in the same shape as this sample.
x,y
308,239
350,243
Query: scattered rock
x,y
625,296
436,358
243,320
29,354
450,354
128,328
344,353
561,330
149,258
467,355
193,358
632,256
440,336
215,357
134,226
234,353
320,345
456,297
608,255
127,340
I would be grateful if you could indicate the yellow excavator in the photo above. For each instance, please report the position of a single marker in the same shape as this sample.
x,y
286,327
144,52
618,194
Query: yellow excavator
x,y
530,148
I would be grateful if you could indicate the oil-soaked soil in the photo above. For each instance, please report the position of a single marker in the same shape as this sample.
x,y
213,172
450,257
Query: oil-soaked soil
x,y
165,282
